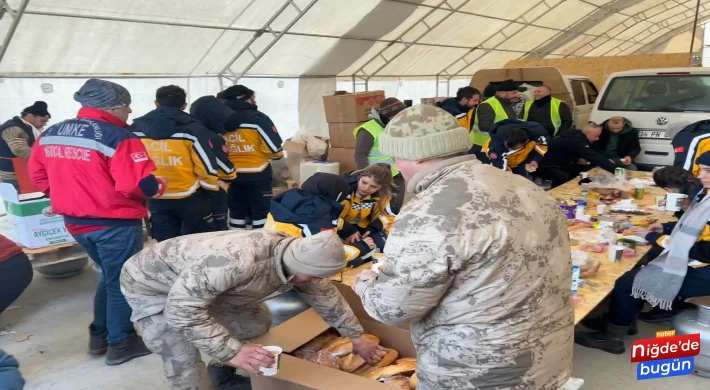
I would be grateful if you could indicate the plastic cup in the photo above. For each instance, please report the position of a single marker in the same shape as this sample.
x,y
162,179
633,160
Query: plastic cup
x,y
274,368
674,201
587,218
601,209
584,175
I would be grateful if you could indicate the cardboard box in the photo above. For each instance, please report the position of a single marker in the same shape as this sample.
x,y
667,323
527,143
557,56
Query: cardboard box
x,y
432,101
341,134
30,225
351,107
297,374
295,153
344,156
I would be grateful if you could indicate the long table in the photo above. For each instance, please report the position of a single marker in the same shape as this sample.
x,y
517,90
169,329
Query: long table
x,y
600,284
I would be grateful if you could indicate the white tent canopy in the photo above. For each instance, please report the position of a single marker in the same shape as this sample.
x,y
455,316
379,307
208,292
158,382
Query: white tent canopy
x,y
209,44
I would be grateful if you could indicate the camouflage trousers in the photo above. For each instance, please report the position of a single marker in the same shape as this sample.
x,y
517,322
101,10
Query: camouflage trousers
x,y
183,366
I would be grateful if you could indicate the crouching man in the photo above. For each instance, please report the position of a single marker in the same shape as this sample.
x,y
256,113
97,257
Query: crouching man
x,y
205,292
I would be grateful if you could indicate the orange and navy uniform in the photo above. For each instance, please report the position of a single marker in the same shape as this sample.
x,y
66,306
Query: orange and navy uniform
x,y
502,157
252,140
370,213
181,149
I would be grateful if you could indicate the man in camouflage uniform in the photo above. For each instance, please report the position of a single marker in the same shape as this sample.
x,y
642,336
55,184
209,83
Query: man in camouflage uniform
x,y
478,262
205,292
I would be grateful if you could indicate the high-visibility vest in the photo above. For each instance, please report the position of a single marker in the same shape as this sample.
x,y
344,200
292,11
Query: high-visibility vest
x,y
479,137
375,156
554,113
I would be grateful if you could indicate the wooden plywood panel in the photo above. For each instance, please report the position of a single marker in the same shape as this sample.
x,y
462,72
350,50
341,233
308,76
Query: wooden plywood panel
x,y
598,69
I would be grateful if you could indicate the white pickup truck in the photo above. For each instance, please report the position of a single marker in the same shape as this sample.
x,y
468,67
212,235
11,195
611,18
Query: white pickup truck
x,y
654,99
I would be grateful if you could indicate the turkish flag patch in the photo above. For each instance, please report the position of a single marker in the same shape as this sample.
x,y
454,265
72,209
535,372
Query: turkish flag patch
x,y
210,142
679,149
225,149
326,229
493,156
139,156
274,129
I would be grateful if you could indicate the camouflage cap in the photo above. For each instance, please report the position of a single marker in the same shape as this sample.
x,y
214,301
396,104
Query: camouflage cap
x,y
423,132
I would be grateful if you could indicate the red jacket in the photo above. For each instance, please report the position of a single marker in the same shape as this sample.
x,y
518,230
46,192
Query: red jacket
x,y
8,248
95,170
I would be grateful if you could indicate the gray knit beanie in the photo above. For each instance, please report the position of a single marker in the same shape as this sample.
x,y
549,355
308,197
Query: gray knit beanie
x,y
102,94
321,255
424,132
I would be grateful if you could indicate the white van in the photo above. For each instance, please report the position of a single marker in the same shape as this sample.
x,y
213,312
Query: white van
x,y
653,99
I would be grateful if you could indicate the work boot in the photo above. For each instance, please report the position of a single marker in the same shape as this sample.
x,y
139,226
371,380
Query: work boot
x,y
611,339
97,342
657,314
125,350
220,373
600,323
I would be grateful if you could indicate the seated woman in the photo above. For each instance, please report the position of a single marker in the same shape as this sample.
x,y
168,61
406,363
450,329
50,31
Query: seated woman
x,y
314,208
680,270
369,209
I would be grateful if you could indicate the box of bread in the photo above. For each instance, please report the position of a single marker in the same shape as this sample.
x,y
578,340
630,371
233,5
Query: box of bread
x,y
315,357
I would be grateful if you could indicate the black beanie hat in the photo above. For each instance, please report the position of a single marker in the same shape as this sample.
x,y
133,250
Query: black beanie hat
x,y
38,109
507,86
704,159
237,92
489,91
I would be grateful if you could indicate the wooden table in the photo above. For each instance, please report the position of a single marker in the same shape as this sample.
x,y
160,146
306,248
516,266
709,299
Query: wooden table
x,y
601,284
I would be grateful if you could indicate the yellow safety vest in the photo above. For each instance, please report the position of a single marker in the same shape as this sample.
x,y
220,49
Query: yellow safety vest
x,y
479,137
554,113
374,128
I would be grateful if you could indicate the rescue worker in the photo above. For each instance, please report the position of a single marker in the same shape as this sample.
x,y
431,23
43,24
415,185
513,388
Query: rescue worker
x,y
253,141
367,150
492,111
489,303
314,208
179,146
97,175
619,141
550,112
205,293
16,140
213,114
681,270
690,141
516,146
368,208
571,153
463,106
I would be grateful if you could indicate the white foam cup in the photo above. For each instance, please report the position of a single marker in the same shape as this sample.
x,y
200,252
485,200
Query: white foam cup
x,y
674,201
274,368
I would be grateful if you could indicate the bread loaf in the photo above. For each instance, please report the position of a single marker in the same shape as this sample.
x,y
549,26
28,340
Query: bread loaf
x,y
352,362
372,338
388,359
399,381
393,370
340,346
413,381
400,360
325,358
364,370
309,351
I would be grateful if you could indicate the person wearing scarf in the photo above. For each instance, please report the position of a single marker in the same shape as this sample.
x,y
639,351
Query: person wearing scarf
x,y
681,270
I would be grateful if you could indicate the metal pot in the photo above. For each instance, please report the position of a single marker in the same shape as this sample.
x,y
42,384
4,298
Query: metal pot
x,y
286,306
63,270
690,322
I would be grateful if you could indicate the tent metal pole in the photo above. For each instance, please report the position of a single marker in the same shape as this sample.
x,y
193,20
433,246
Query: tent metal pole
x,y
276,36
695,29
16,16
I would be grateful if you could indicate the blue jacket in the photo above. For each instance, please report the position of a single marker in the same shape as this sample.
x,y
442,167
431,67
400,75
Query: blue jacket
x,y
497,151
311,213
10,377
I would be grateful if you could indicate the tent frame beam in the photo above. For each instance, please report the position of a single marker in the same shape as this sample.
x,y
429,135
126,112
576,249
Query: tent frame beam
x,y
258,34
16,17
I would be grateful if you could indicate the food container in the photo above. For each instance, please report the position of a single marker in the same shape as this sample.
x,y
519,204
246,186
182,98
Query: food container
x,y
661,202
620,174
616,252
638,191
274,368
601,209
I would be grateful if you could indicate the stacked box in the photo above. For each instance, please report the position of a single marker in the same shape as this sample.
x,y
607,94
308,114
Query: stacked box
x,y
344,112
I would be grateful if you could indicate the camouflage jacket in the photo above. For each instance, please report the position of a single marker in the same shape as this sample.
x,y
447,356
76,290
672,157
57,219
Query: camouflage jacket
x,y
181,277
478,262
